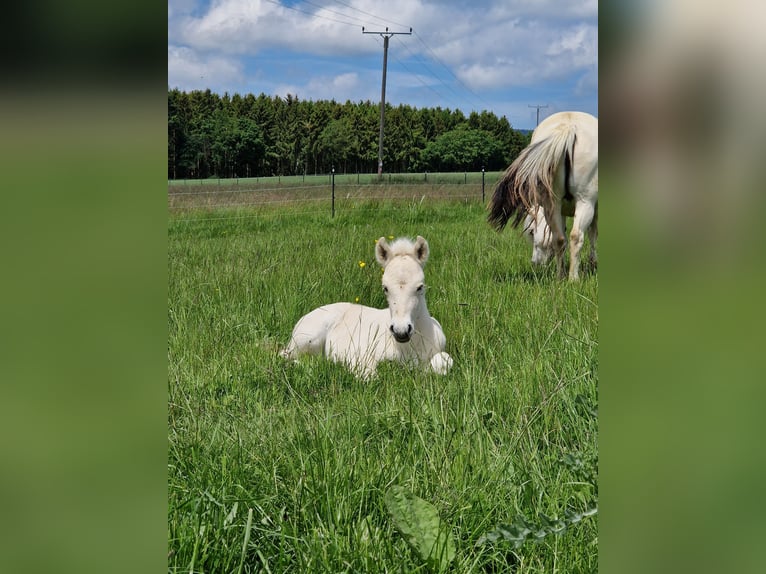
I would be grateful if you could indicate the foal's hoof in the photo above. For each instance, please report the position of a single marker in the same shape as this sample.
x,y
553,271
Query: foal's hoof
x,y
441,363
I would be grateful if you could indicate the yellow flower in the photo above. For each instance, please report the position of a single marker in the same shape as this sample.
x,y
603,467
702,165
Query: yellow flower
x,y
356,300
362,264
390,236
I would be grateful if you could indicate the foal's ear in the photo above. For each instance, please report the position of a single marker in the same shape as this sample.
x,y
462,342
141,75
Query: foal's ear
x,y
421,250
382,251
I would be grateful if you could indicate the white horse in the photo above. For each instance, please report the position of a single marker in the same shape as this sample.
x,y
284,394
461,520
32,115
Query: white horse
x,y
537,232
559,167
361,337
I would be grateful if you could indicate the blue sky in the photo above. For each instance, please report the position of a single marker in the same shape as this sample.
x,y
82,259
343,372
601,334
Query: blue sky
x,y
501,56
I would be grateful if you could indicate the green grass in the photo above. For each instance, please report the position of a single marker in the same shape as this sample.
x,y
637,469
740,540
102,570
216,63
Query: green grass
x,y
305,453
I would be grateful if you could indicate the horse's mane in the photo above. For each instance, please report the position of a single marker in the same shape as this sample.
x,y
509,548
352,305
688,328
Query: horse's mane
x,y
402,246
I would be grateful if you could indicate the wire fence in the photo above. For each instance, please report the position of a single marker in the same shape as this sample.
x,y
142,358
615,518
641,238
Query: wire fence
x,y
333,193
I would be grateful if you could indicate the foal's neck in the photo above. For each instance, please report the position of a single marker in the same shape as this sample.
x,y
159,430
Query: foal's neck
x,y
422,312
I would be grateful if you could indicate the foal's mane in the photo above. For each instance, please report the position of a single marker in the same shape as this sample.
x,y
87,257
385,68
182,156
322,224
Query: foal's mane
x,y
402,246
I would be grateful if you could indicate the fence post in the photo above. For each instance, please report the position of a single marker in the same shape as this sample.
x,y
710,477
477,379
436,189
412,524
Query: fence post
x,y
482,184
333,190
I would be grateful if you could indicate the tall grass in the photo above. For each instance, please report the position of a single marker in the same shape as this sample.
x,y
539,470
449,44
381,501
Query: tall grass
x,y
282,467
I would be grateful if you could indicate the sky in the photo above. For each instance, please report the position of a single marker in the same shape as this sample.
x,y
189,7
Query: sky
x,y
503,56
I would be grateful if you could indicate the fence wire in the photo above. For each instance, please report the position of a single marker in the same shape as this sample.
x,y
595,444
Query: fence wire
x,y
335,198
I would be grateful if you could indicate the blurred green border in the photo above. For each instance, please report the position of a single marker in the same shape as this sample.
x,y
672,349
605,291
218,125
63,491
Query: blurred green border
x,y
83,346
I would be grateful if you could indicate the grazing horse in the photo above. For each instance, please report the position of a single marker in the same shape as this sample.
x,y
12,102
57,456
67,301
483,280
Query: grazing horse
x,y
361,337
559,167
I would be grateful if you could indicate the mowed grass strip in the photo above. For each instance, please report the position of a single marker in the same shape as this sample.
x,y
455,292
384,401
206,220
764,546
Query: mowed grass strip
x,y
311,450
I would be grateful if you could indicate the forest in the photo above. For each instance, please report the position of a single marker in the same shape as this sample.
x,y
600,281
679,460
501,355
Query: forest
x,y
229,136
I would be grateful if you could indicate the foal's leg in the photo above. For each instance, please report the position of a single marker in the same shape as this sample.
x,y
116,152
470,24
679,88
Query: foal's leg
x,y
310,332
583,217
558,241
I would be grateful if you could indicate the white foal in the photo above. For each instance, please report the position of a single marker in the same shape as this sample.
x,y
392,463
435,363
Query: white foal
x,y
361,337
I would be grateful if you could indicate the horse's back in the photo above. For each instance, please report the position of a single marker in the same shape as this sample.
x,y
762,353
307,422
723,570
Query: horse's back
x,y
310,332
584,122
585,165
356,327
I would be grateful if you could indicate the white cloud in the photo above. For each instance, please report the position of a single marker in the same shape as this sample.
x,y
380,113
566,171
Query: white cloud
x,y
504,47
186,69
346,81
323,88
531,55
251,26
551,10
473,40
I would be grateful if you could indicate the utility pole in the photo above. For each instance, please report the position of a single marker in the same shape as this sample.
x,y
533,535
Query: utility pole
x,y
385,35
538,112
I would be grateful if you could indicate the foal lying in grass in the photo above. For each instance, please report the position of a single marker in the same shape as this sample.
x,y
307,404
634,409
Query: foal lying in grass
x,y
361,337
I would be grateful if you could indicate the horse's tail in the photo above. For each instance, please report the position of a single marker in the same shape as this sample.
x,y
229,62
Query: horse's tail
x,y
528,181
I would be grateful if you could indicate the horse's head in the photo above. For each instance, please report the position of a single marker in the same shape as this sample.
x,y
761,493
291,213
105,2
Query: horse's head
x,y
403,282
538,233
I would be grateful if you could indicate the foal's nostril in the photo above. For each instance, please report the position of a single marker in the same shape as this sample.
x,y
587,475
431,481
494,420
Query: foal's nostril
x,y
402,335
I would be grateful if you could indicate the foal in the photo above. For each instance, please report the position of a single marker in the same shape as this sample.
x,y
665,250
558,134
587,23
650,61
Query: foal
x,y
361,336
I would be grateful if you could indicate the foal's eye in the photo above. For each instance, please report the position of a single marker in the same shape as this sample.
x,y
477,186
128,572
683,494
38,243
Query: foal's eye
x,y
421,288
385,289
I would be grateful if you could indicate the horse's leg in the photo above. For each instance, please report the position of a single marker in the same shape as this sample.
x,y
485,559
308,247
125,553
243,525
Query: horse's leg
x,y
592,238
558,241
584,212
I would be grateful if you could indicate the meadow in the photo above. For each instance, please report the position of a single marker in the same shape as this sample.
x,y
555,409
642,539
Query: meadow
x,y
276,466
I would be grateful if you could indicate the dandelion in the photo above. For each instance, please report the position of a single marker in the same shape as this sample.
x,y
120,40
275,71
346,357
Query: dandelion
x,y
356,299
390,236
362,264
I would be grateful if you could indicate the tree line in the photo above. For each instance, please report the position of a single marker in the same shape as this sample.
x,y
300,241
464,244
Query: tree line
x,y
210,135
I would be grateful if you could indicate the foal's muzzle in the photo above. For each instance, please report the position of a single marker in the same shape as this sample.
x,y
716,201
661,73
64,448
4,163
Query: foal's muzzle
x,y
402,337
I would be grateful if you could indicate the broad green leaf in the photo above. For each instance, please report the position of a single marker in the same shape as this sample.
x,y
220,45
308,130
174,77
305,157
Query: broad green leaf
x,y
419,523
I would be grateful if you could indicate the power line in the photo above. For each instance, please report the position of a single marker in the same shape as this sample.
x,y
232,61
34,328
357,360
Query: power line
x,y
373,15
385,35
334,12
431,72
423,62
458,80
418,76
484,103
312,14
